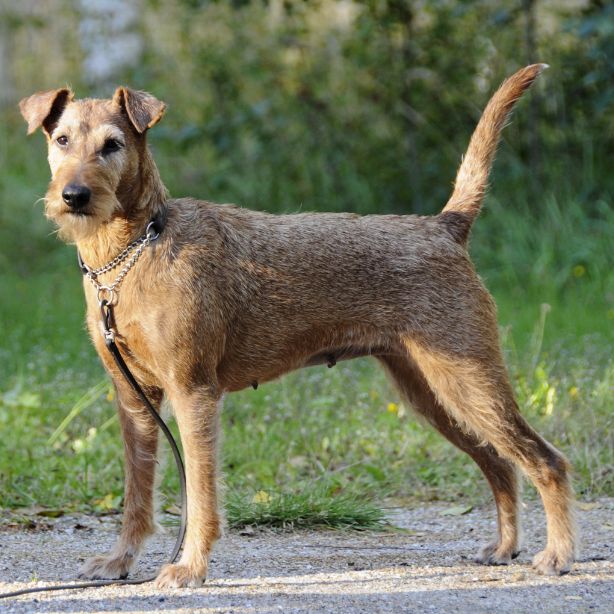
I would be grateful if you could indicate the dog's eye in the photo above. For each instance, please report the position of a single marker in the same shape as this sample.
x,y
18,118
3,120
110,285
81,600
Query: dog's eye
x,y
62,141
111,145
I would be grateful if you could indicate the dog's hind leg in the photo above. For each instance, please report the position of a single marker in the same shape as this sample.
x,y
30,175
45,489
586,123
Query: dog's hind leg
x,y
140,435
469,380
500,473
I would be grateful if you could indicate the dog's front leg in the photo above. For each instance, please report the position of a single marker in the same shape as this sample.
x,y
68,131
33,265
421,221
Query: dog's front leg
x,y
197,416
140,434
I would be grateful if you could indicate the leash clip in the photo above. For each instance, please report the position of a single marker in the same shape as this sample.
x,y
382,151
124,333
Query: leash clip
x,y
106,311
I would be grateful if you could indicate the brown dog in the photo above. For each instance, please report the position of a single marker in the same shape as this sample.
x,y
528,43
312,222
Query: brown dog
x,y
228,297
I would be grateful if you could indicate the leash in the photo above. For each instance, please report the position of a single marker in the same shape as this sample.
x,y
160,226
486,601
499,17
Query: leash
x,y
107,296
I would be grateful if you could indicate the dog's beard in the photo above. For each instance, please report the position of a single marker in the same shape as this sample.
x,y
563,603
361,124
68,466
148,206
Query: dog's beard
x,y
77,226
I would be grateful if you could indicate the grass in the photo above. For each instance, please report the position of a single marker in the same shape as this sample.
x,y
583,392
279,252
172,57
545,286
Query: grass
x,y
316,508
322,447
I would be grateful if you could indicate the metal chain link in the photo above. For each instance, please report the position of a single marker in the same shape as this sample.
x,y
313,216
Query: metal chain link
x,y
108,292
119,258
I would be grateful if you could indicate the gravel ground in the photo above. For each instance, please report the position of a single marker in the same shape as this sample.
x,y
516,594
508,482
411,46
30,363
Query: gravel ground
x,y
426,568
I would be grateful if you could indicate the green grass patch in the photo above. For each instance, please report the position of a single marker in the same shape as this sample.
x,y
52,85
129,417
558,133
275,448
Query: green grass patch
x,y
315,508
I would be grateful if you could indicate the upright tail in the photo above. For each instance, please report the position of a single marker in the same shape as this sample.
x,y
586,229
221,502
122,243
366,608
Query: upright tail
x,y
472,178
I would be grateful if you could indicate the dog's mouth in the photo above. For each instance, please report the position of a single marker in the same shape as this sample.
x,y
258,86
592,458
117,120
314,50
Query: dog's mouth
x,y
76,223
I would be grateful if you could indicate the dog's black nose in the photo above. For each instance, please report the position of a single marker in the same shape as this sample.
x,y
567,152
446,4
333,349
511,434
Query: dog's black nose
x,y
76,196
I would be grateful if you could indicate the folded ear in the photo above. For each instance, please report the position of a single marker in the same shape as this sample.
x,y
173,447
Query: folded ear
x,y
44,109
143,109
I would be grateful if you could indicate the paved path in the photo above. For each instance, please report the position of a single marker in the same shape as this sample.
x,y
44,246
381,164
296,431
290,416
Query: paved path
x,y
428,568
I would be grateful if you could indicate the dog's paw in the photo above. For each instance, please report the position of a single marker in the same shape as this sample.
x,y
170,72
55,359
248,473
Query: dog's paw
x,y
551,563
110,567
176,575
495,554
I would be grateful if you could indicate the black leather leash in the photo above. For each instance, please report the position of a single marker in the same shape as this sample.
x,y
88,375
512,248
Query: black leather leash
x,y
106,310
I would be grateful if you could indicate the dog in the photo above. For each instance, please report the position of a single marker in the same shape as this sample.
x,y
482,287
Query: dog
x,y
226,298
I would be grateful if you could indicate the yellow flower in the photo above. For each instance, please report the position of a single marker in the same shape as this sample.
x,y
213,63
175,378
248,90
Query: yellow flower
x,y
579,270
392,408
108,502
111,394
261,497
573,392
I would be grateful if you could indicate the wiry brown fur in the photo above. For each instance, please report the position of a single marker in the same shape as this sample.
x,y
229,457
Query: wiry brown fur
x,y
228,297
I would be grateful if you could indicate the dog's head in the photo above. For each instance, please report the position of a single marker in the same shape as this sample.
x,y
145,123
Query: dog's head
x,y
95,152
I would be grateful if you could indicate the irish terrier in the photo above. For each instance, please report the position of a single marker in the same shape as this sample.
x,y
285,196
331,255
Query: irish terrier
x,y
226,298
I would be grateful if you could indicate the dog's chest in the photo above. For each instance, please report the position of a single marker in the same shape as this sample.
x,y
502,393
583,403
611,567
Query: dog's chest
x,y
134,335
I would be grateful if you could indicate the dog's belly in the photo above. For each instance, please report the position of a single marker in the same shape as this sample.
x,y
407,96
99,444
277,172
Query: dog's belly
x,y
333,356
243,367
232,382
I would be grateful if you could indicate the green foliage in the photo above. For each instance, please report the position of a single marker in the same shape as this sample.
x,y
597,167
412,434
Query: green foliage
x,y
335,105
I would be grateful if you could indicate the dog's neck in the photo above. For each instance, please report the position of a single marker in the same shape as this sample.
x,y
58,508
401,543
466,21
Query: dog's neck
x,y
144,200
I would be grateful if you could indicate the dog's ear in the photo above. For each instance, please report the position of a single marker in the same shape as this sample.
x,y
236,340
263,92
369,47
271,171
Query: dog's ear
x,y
44,109
143,109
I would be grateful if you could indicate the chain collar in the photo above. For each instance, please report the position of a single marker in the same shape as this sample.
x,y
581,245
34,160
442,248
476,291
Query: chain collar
x,y
107,293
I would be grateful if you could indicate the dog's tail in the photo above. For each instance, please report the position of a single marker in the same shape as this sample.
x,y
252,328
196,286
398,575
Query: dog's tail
x,y
472,177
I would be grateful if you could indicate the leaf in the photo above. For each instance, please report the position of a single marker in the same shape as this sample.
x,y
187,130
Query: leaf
x,y
18,398
39,510
108,503
51,513
402,530
457,510
30,400
30,511
587,506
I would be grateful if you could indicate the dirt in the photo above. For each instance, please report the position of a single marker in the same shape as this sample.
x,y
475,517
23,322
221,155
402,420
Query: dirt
x,y
427,567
